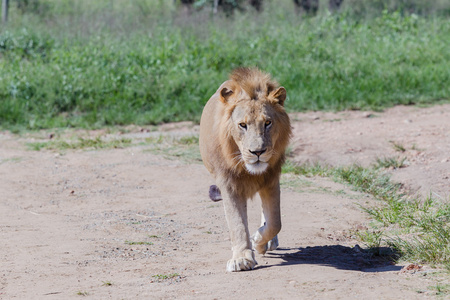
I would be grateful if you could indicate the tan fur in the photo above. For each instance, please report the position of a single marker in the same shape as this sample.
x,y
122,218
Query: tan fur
x,y
244,131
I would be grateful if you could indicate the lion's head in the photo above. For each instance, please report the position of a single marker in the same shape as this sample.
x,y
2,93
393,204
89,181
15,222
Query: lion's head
x,y
255,129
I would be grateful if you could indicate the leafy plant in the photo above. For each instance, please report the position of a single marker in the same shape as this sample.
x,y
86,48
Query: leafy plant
x,y
398,147
162,277
416,229
390,162
150,69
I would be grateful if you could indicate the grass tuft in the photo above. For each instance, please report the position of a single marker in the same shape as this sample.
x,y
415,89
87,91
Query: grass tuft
x,y
80,143
416,229
165,277
371,238
390,162
184,148
107,283
138,243
398,147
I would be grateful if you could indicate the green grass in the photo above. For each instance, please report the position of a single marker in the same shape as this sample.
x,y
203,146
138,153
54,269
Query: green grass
x,y
307,170
440,289
172,147
163,277
398,147
371,238
417,229
80,143
93,64
11,160
390,162
138,243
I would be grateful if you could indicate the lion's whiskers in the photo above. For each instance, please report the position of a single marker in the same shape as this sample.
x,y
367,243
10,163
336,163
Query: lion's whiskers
x,y
273,152
236,160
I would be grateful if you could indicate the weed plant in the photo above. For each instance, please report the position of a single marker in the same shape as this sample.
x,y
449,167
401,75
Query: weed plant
x,y
81,143
390,162
416,228
166,277
96,63
138,243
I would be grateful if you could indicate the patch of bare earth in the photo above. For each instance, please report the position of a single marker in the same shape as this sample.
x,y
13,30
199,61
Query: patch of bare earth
x,y
129,223
421,135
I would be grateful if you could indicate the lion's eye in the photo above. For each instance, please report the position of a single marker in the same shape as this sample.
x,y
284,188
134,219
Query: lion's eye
x,y
268,123
243,125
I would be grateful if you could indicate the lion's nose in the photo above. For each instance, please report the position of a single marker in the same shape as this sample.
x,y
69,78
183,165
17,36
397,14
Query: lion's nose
x,y
258,152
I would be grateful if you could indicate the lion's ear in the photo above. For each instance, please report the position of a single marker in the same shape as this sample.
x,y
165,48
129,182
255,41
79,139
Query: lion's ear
x,y
225,94
279,94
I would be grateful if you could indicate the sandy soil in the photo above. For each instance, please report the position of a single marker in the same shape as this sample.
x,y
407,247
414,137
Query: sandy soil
x,y
129,223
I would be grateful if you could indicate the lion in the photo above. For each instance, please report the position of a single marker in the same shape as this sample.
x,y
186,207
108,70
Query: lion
x,y
244,132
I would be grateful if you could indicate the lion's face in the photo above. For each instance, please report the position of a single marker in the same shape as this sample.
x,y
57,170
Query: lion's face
x,y
253,128
254,124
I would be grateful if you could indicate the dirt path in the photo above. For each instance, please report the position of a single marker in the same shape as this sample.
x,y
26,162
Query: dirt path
x,y
356,137
129,223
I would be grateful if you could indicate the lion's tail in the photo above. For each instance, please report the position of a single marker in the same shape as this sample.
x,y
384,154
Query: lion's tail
x,y
214,193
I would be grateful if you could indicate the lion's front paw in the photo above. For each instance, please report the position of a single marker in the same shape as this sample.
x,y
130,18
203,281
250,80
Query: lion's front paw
x,y
245,262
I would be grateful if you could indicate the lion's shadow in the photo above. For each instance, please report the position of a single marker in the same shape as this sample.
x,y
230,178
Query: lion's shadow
x,y
378,259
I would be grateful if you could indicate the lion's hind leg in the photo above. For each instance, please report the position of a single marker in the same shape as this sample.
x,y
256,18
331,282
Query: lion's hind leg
x,y
265,238
272,244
